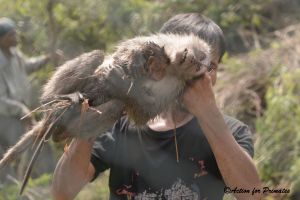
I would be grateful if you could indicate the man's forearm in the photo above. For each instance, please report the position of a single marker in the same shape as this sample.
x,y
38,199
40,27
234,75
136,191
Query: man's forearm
x,y
73,170
35,63
236,166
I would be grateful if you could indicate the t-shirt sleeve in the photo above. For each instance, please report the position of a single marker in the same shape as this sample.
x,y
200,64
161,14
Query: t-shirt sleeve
x,y
103,150
242,134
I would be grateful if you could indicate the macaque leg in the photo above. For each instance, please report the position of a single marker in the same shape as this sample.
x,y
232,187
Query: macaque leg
x,y
94,121
73,75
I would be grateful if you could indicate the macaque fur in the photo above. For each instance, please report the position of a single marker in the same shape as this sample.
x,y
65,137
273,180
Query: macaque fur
x,y
85,96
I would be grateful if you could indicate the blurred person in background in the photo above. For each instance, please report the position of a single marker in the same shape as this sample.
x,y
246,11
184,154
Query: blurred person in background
x,y
15,90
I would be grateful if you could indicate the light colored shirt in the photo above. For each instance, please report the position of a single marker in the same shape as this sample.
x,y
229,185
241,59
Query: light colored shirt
x,y
15,94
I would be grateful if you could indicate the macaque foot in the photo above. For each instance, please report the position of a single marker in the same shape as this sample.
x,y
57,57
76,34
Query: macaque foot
x,y
74,98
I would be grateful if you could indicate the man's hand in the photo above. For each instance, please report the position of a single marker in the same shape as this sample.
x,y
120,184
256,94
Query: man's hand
x,y
57,56
200,101
199,97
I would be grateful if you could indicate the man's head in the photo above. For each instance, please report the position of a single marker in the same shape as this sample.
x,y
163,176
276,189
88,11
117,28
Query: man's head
x,y
8,35
204,28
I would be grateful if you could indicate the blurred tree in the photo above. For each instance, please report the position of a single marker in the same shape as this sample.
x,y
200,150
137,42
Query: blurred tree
x,y
89,24
278,146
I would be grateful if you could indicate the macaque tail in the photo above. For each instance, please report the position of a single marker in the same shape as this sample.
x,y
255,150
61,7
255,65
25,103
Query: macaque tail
x,y
36,153
24,143
30,166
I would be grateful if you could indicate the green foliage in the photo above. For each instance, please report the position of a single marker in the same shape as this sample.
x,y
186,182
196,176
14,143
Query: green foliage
x,y
39,189
36,189
41,181
9,192
96,190
278,152
81,25
43,74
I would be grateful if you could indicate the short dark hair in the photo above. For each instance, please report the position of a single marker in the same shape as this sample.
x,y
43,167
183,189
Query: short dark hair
x,y
199,25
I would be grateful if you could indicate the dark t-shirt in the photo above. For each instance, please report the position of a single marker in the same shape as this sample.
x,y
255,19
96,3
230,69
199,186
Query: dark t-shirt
x,y
143,162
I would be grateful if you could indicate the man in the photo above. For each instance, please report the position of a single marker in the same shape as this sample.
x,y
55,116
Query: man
x,y
206,152
15,93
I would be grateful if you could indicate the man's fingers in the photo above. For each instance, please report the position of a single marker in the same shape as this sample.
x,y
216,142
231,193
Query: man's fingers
x,y
200,73
207,76
203,78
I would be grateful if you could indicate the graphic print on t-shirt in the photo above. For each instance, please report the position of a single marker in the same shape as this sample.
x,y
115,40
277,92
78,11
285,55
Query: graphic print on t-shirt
x,y
177,191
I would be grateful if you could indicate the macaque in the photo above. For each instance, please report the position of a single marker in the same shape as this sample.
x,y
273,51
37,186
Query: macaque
x,y
87,95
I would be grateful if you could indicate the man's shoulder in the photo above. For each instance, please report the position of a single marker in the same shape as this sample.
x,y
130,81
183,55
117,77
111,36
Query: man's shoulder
x,y
241,132
233,123
122,129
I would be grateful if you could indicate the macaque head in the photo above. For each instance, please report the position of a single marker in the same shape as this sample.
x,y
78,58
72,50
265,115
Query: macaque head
x,y
203,27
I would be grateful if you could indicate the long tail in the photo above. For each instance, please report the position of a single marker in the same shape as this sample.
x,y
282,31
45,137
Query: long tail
x,y
35,156
30,166
24,143
38,150
32,161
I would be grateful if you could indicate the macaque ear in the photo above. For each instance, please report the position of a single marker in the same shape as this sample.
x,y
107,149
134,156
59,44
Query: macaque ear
x,y
150,63
156,70
152,68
